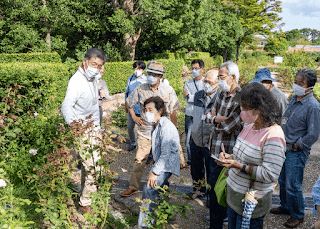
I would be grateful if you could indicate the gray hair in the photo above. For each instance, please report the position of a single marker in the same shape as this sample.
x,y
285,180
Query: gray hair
x,y
232,69
94,52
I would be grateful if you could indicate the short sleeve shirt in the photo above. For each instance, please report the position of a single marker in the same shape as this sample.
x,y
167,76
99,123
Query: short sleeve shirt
x,y
142,93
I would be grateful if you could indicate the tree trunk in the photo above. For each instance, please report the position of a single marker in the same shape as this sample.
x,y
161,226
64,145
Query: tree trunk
x,y
48,37
238,47
225,54
48,40
131,42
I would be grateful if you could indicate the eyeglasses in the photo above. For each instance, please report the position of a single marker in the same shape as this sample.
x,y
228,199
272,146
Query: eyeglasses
x,y
222,77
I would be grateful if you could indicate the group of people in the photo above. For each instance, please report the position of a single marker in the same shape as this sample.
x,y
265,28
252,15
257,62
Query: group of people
x,y
258,135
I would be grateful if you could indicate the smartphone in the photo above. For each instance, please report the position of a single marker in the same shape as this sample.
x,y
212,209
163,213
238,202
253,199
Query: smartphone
x,y
216,158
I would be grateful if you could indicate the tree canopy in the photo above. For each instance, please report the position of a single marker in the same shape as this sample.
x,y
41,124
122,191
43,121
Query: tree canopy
x,y
131,29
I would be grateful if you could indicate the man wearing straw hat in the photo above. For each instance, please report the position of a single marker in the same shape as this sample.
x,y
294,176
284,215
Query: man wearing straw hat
x,y
153,87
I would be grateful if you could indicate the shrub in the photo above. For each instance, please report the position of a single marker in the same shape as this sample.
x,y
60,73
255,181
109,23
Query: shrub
x,y
30,57
218,60
257,54
41,86
208,62
292,62
199,55
171,55
246,55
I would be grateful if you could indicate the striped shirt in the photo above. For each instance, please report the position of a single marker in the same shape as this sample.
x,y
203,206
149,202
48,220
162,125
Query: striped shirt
x,y
265,149
226,132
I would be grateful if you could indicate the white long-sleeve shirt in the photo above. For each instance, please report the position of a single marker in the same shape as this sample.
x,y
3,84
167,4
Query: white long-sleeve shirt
x,y
81,99
192,86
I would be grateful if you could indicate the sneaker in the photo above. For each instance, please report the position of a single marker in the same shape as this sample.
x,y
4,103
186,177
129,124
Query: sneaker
x,y
128,192
132,147
207,218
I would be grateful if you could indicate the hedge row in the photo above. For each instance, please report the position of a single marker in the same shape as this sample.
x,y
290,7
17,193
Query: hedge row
x,y
117,73
41,86
208,62
30,57
182,55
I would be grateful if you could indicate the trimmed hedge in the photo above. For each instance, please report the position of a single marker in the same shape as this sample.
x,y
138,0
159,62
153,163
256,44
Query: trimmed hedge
x,y
172,55
30,57
42,86
117,74
182,55
208,62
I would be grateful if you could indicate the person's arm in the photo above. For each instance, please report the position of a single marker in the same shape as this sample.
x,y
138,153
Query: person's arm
x,y
133,100
70,100
173,117
173,106
273,159
170,143
127,88
136,119
189,97
229,124
313,122
316,196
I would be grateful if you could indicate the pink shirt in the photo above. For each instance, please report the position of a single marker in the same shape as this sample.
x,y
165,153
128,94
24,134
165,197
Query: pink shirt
x,y
265,149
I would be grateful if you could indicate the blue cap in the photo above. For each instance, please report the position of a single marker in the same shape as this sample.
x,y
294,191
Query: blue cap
x,y
263,74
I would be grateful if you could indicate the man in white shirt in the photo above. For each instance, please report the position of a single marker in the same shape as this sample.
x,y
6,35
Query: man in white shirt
x,y
190,88
81,100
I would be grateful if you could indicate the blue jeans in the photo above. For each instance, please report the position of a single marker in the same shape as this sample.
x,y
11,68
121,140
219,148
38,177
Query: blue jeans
x,y
152,193
217,212
235,220
199,160
290,181
187,127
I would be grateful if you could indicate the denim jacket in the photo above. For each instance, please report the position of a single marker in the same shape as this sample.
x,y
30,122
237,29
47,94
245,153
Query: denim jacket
x,y
301,122
165,148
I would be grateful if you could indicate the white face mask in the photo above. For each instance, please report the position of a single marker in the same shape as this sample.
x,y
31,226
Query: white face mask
x,y
298,90
195,73
150,117
152,80
224,86
91,72
208,88
138,73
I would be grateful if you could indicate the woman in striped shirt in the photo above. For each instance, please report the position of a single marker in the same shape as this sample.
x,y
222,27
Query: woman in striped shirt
x,y
258,155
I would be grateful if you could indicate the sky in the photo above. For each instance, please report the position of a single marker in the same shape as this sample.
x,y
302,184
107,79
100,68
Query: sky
x,y
299,14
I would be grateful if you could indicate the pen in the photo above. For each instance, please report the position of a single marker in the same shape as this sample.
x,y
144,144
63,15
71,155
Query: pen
x,y
224,152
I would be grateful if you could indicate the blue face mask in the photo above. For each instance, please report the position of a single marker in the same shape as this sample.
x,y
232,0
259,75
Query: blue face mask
x,y
298,90
195,73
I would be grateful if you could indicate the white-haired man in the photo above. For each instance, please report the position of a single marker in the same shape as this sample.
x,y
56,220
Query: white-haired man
x,y
225,117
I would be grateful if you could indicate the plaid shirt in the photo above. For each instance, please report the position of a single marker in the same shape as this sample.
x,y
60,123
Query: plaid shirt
x,y
226,132
142,93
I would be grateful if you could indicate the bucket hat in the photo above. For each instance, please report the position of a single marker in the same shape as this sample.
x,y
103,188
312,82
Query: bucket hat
x,y
263,74
155,67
